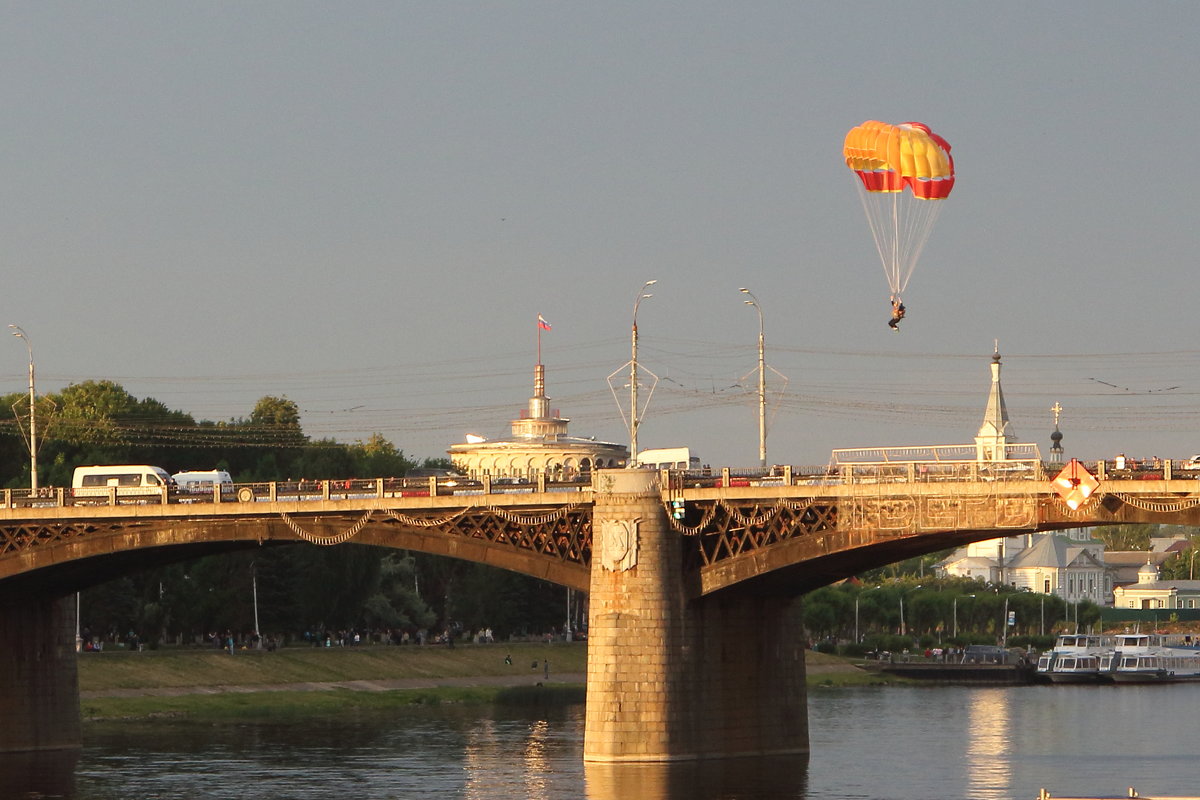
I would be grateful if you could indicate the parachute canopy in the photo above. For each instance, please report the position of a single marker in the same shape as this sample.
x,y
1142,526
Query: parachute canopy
x,y
888,160
890,157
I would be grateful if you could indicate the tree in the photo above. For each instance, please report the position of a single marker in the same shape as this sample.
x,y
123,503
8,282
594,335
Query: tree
x,y
509,603
276,412
1127,537
275,421
1182,565
397,605
377,457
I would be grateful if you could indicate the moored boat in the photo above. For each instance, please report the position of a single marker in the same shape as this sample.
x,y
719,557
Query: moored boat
x,y
1075,658
1077,668
1151,658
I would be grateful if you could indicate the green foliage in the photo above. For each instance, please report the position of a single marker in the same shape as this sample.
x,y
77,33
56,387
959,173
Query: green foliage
x,y
936,611
1127,537
1036,642
506,602
299,587
276,412
890,643
1182,565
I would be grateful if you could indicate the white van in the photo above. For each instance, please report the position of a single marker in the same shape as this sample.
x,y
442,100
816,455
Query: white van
x,y
668,458
203,481
130,480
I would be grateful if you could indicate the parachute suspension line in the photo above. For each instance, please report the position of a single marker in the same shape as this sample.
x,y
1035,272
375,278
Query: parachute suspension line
x,y
900,227
873,210
921,222
894,276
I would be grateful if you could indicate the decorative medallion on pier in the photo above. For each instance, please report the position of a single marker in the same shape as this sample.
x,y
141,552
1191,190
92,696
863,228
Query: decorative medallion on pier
x,y
1075,484
619,544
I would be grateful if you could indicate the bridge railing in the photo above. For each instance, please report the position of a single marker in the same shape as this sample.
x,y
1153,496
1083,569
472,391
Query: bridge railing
x,y
777,475
860,473
290,491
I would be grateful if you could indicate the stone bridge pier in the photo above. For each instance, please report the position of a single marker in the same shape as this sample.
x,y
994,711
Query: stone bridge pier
x,y
39,679
672,678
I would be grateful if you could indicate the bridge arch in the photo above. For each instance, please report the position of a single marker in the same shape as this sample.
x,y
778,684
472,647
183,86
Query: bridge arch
x,y
65,557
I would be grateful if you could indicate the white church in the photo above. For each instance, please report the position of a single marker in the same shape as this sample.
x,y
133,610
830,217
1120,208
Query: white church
x,y
1069,564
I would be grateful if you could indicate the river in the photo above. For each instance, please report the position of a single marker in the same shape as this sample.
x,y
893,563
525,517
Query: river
x,y
889,743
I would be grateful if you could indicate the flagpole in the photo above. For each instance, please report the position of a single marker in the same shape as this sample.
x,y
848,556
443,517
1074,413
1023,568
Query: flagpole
x,y
539,330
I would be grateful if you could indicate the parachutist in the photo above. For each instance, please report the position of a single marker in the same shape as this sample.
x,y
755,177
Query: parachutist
x,y
898,312
904,173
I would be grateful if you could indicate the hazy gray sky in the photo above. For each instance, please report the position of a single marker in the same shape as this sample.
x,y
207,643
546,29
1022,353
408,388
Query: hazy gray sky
x,y
364,207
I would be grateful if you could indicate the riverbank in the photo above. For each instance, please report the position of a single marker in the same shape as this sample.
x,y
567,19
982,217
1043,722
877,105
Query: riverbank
x,y
201,670
212,684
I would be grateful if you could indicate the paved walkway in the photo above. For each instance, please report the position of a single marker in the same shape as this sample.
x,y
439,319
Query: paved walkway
x,y
386,685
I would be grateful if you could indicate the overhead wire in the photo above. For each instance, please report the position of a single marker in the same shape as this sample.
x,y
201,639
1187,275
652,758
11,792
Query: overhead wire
x,y
1106,390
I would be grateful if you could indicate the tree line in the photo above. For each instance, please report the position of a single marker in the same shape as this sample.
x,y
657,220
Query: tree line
x,y
910,611
905,604
293,589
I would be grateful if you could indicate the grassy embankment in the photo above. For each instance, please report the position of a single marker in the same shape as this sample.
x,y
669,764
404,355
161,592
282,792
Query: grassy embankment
x,y
292,682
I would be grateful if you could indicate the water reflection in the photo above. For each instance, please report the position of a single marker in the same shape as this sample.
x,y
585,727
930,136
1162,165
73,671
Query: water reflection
x,y
989,741
898,743
723,779
537,765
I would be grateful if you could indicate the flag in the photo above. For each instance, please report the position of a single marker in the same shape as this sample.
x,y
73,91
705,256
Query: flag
x,y
542,323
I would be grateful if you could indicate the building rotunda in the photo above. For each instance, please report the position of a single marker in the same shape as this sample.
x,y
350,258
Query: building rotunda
x,y
539,444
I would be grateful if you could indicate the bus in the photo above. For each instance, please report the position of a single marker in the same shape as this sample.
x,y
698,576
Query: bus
x,y
129,480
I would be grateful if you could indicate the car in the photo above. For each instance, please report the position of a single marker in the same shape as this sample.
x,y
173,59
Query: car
x,y
1191,463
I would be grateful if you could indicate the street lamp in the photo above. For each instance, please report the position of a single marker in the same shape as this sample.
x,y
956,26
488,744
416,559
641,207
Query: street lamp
x,y
1004,642
33,474
856,598
762,379
633,377
254,591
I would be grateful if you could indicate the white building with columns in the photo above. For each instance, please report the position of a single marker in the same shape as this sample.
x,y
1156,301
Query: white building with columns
x,y
539,444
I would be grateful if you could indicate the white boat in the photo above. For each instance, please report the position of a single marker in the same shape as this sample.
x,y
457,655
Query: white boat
x,y
1075,658
1154,658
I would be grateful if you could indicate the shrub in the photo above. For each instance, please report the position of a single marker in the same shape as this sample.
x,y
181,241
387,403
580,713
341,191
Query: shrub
x,y
853,650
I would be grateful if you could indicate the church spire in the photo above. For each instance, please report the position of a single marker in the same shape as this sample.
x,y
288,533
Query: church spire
x,y
992,439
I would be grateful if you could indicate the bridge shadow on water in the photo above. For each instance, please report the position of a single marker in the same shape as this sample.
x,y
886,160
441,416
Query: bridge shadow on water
x,y
762,778
39,773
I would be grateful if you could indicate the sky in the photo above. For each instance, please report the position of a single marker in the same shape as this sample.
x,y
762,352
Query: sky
x,y
364,206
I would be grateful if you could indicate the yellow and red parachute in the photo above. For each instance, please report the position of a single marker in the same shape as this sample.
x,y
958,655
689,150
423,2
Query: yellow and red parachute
x,y
904,172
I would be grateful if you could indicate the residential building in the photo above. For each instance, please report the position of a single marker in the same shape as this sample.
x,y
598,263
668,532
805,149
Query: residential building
x,y
1151,591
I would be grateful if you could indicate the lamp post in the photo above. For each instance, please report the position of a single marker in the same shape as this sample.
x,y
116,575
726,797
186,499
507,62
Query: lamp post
x,y
856,598
33,475
762,379
1004,641
254,591
633,377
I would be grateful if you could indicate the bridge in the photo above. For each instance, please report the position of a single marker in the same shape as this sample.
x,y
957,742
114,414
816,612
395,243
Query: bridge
x,y
694,579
